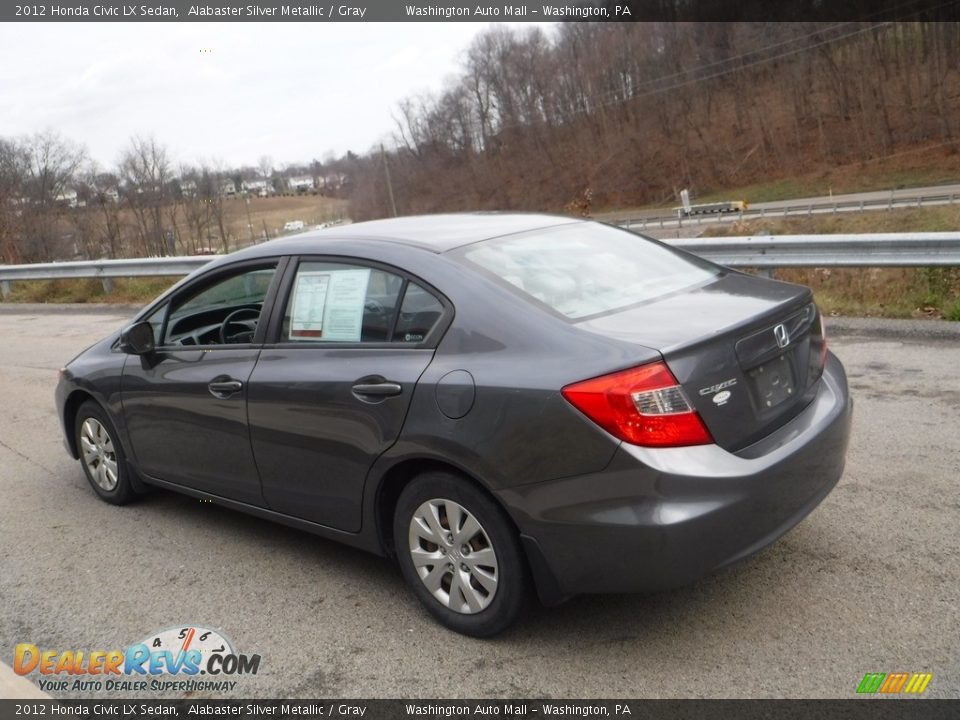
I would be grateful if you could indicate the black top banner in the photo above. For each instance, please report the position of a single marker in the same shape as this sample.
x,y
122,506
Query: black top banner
x,y
483,11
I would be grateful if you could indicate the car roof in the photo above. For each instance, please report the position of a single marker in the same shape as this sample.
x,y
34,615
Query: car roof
x,y
436,233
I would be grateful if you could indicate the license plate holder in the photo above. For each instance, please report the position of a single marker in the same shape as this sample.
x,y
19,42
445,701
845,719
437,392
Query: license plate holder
x,y
773,382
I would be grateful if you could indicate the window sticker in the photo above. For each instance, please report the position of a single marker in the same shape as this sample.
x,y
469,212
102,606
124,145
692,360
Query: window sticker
x,y
309,301
328,305
343,315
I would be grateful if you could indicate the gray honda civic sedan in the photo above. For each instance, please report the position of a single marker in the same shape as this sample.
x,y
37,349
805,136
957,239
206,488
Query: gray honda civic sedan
x,y
501,402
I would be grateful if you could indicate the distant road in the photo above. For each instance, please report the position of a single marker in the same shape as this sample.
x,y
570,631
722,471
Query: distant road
x,y
850,202
873,197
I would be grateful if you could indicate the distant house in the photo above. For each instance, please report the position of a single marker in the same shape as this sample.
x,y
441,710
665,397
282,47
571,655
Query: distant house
x,y
68,197
141,189
188,187
17,204
103,194
302,183
228,187
334,181
256,187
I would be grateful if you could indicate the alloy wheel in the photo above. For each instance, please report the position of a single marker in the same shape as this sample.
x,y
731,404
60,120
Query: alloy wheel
x,y
99,455
453,556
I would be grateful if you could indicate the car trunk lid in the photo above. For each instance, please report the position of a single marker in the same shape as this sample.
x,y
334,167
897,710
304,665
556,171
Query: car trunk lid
x,y
746,350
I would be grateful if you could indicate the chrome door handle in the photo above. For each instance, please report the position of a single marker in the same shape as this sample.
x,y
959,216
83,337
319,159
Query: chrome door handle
x,y
224,388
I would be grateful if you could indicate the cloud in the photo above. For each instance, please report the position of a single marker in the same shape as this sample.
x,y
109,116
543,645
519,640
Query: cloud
x,y
233,91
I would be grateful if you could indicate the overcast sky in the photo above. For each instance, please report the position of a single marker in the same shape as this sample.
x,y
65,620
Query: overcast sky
x,y
293,91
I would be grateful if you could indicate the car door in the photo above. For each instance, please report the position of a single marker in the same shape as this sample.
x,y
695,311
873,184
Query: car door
x,y
185,404
331,393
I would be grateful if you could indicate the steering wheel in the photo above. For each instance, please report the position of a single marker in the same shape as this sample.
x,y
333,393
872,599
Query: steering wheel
x,y
374,307
244,336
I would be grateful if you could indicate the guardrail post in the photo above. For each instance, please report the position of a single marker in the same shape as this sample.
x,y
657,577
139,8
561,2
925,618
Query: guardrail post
x,y
861,206
107,285
5,288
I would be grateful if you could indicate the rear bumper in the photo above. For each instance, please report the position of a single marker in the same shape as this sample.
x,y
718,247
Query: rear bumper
x,y
660,518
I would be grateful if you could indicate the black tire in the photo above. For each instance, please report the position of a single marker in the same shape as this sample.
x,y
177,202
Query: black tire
x,y
121,492
504,604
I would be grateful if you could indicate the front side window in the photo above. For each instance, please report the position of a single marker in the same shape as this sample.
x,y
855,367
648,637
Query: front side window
x,y
223,312
156,319
587,269
343,303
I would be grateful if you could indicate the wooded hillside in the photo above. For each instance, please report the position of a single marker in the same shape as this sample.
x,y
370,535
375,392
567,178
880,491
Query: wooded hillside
x,y
591,116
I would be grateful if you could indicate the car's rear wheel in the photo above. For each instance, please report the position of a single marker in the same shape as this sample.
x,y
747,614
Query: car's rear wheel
x,y
459,554
101,455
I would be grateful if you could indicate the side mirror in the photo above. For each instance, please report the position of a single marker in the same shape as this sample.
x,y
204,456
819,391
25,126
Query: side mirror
x,y
137,339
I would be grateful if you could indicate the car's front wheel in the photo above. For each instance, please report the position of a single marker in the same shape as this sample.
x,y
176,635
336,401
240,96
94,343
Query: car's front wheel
x,y
101,455
459,554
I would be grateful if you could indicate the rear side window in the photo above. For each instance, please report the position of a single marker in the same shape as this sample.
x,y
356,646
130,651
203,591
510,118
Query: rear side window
x,y
586,269
335,302
419,312
344,303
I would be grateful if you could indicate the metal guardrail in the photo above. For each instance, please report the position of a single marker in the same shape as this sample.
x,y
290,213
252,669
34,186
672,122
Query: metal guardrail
x,y
861,250
106,270
765,252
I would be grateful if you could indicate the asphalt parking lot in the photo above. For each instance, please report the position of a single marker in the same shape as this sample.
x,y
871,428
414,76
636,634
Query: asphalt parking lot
x,y
868,583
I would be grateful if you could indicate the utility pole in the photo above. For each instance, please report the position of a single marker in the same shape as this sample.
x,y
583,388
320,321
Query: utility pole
x,y
386,171
249,221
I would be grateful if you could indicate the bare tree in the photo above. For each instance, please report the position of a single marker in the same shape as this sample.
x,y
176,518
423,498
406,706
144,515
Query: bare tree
x,y
52,163
265,165
12,199
145,171
212,190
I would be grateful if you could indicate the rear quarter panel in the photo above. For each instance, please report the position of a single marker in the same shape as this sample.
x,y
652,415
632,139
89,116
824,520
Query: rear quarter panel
x,y
519,429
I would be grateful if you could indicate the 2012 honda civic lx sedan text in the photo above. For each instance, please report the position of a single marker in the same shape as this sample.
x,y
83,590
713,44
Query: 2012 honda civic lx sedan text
x,y
499,401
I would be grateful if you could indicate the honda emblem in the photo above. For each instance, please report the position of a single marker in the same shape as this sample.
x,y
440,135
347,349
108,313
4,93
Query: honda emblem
x,y
782,336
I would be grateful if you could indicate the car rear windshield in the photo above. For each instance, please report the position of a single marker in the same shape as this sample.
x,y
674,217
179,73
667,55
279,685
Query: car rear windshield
x,y
585,269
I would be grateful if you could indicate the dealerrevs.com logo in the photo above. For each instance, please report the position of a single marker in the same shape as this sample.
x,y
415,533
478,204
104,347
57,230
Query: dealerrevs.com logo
x,y
182,658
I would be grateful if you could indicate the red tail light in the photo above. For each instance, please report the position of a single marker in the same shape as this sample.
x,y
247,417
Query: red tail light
x,y
643,406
